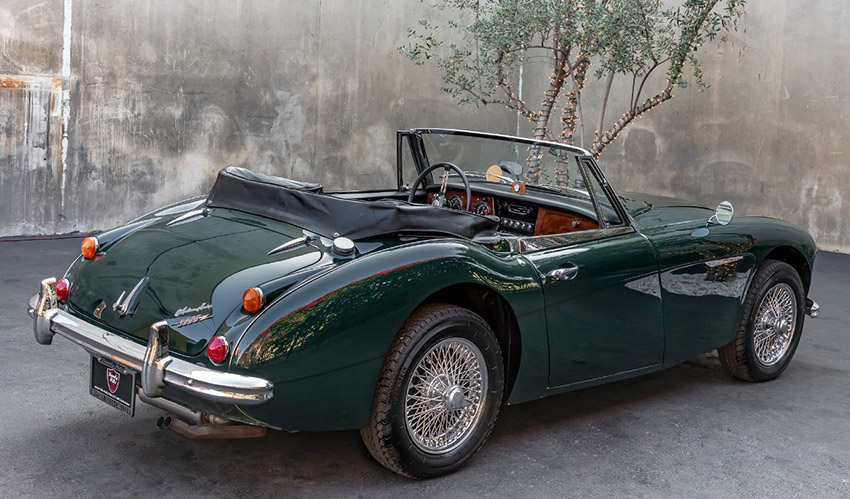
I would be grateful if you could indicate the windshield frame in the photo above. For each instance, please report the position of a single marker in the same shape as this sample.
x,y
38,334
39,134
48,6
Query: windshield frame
x,y
586,163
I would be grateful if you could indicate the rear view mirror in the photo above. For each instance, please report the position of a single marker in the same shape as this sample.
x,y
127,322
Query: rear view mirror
x,y
511,167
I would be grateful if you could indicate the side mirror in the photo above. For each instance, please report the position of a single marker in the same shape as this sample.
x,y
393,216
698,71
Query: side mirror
x,y
511,167
723,214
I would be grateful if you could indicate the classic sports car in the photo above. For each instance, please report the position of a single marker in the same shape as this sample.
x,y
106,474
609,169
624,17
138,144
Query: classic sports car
x,y
413,313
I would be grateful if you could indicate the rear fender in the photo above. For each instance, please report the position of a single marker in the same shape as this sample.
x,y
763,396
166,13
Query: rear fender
x,y
324,342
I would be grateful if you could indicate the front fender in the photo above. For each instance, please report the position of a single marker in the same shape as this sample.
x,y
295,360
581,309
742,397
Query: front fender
x,y
324,342
772,233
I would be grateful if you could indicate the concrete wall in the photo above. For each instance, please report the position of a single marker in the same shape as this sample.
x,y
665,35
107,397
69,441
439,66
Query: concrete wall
x,y
770,134
160,95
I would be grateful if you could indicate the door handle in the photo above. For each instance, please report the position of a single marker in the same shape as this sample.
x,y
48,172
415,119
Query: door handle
x,y
564,273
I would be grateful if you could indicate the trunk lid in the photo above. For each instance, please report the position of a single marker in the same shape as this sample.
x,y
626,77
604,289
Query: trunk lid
x,y
194,268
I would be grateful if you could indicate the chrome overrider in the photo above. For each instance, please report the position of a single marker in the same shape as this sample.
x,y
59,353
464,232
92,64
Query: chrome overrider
x,y
157,368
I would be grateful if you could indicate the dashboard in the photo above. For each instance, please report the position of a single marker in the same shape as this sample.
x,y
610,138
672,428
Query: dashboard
x,y
520,218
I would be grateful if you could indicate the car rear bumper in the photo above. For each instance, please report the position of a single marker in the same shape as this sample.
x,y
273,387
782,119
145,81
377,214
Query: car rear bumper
x,y
812,308
152,361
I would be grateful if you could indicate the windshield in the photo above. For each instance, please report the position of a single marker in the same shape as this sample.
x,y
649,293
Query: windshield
x,y
558,167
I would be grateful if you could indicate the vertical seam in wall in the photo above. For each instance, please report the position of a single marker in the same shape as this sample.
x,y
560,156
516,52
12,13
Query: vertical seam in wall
x,y
318,82
66,97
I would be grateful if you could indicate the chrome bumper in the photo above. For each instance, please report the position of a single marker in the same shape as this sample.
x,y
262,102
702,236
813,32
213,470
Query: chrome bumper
x,y
157,368
812,308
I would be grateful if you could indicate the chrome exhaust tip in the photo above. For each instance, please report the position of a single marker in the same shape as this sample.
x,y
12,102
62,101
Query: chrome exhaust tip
x,y
163,422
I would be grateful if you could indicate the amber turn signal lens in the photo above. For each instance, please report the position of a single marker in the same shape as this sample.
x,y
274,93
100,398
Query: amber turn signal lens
x,y
252,300
217,349
89,247
62,286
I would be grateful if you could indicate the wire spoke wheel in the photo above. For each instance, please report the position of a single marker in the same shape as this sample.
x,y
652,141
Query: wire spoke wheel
x,y
439,393
775,324
445,395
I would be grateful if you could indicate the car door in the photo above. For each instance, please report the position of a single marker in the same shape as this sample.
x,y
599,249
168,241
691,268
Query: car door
x,y
603,306
602,295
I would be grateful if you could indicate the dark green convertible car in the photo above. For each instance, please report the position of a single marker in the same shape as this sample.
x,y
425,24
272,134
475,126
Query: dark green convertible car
x,y
496,270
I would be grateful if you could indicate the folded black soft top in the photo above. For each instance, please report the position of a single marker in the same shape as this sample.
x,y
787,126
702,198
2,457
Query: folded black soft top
x,y
304,205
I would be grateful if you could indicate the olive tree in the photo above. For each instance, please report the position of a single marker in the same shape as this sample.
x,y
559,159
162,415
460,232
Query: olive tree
x,y
482,48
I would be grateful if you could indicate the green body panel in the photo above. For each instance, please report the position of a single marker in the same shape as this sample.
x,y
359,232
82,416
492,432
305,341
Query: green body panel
x,y
704,278
640,301
328,337
618,278
210,260
705,269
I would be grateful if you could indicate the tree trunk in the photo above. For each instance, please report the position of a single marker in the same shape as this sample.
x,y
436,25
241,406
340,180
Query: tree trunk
x,y
541,122
569,118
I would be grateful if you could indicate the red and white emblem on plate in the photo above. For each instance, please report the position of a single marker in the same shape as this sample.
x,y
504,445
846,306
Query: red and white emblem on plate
x,y
112,379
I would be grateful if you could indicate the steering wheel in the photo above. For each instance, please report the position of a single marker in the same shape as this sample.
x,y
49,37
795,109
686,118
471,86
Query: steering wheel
x,y
440,198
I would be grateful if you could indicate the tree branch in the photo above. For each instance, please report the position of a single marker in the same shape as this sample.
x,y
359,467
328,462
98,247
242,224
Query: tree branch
x,y
605,95
614,131
688,38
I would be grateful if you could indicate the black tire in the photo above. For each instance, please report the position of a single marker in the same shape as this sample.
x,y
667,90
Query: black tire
x,y
387,435
740,358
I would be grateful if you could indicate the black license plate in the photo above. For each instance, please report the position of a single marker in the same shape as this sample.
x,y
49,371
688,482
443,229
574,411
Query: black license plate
x,y
114,385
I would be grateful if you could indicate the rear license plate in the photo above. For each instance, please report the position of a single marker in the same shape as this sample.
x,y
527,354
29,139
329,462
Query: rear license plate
x,y
114,385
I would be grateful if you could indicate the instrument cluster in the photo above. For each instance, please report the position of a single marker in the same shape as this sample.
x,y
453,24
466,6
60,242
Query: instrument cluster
x,y
517,218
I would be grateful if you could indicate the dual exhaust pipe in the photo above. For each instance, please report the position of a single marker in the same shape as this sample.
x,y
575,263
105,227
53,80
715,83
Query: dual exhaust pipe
x,y
217,430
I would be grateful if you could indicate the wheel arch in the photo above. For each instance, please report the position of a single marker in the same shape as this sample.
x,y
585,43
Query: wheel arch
x,y
795,258
499,315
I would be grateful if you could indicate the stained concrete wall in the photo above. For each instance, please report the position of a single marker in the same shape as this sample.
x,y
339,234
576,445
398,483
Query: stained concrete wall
x,y
161,95
770,134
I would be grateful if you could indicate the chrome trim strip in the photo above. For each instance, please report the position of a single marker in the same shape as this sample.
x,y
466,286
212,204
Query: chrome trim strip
x,y
158,369
186,216
498,136
723,261
537,243
290,244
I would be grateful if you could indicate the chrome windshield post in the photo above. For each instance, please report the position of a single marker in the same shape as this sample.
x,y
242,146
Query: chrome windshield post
x,y
155,361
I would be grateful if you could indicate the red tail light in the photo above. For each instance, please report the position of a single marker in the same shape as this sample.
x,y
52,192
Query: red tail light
x,y
62,287
217,349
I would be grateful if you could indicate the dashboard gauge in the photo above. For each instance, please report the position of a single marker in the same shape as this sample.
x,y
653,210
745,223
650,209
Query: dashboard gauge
x,y
455,202
481,208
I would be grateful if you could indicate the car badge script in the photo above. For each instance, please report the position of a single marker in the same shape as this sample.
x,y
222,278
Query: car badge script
x,y
191,320
189,310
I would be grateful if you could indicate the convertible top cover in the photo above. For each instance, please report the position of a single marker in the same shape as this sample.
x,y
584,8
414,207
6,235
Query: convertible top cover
x,y
304,205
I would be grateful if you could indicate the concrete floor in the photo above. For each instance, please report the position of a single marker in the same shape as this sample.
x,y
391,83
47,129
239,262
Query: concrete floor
x,y
689,431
